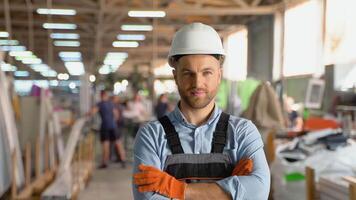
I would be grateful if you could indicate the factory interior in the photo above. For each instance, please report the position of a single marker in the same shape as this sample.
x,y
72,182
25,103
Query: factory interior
x,y
287,72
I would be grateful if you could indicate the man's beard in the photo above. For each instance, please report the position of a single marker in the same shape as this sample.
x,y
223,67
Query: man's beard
x,y
196,102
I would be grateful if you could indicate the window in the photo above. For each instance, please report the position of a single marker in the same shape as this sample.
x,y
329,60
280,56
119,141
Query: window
x,y
340,36
235,66
302,39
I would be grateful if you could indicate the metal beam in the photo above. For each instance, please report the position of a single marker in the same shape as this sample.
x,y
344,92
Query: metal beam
x,y
255,2
99,34
260,10
241,3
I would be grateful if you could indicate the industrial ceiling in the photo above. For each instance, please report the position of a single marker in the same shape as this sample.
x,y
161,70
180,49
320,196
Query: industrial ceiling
x,y
99,22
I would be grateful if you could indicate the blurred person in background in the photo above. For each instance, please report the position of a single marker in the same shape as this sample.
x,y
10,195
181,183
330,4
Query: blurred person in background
x,y
136,112
295,121
161,108
108,128
120,127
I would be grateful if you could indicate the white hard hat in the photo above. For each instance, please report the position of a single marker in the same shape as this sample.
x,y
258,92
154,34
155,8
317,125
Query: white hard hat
x,y
196,38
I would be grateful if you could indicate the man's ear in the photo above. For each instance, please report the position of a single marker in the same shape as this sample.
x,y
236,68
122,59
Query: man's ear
x,y
220,74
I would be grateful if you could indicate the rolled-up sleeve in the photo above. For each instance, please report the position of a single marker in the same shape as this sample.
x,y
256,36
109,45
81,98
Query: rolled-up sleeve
x,y
256,186
145,152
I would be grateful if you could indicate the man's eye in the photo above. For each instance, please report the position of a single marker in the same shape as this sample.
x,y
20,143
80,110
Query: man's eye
x,y
207,73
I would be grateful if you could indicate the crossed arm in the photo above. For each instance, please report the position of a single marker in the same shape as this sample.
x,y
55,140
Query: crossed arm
x,y
205,191
254,186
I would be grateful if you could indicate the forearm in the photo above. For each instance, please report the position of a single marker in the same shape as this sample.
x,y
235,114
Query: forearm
x,y
205,191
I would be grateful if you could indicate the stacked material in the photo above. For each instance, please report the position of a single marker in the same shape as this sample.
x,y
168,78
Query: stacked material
x,y
333,187
9,142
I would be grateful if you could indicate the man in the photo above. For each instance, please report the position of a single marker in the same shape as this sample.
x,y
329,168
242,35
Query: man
x,y
108,128
120,127
197,151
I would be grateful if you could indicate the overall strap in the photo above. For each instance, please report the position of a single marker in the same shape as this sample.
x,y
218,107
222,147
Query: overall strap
x,y
171,135
219,137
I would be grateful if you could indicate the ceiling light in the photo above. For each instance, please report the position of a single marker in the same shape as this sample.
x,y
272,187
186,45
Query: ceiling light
x,y
75,68
63,76
136,37
116,55
20,58
64,43
45,11
136,27
39,67
31,61
92,78
50,73
4,34
9,42
136,13
21,53
12,48
131,44
59,26
21,74
53,83
72,36
7,67
72,85
113,62
69,59
105,69
70,54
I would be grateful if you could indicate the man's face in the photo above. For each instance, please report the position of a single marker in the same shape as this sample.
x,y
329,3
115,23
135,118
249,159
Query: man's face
x,y
197,78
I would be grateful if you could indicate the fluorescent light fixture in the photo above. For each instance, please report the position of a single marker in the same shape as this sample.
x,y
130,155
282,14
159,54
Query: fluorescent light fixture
x,y
137,37
21,74
30,61
9,42
45,11
72,36
69,59
136,27
40,67
4,34
127,44
12,48
59,26
50,73
63,76
20,58
125,82
105,69
75,68
21,53
64,43
70,54
116,55
92,78
72,85
7,67
113,62
53,83
137,13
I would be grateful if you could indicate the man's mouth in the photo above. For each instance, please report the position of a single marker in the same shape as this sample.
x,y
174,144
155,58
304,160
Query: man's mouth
x,y
198,93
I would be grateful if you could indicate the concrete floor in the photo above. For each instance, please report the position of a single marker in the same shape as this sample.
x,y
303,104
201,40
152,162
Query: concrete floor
x,y
112,183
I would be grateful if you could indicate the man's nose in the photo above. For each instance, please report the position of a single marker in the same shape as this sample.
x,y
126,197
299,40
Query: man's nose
x,y
198,80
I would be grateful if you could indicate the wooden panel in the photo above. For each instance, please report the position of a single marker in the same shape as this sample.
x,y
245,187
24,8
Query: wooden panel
x,y
310,183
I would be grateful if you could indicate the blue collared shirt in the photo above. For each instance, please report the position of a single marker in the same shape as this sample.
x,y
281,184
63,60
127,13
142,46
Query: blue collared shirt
x,y
243,141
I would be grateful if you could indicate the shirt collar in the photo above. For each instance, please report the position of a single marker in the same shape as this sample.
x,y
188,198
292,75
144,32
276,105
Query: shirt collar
x,y
178,115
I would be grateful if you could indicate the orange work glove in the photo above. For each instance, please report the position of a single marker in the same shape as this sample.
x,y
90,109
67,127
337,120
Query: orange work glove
x,y
243,168
151,179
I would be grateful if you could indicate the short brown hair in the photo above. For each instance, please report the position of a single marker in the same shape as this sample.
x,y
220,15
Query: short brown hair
x,y
174,59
